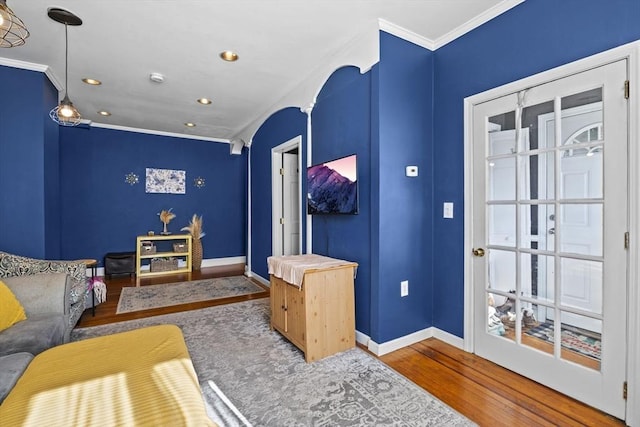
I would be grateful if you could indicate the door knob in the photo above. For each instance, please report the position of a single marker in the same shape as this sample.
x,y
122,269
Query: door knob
x,y
478,252
552,230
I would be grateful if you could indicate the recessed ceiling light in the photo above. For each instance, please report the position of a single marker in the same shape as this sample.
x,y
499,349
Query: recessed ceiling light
x,y
91,81
228,55
104,113
190,125
204,101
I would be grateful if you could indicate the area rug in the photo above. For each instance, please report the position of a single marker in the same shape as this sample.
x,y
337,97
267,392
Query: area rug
x,y
251,375
153,296
574,339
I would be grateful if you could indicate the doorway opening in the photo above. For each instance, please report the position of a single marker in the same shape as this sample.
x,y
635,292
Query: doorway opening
x,y
286,201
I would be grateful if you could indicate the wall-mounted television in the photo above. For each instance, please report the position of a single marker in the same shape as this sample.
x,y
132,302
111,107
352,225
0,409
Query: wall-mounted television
x,y
332,187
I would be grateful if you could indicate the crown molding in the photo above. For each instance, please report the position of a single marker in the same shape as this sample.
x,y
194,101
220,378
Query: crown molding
x,y
23,64
403,33
427,43
32,66
159,133
54,79
477,21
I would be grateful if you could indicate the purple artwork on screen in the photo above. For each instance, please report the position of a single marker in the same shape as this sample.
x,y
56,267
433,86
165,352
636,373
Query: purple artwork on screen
x,y
332,187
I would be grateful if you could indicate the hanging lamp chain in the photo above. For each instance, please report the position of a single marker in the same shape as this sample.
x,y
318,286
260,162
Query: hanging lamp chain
x,y
66,60
65,114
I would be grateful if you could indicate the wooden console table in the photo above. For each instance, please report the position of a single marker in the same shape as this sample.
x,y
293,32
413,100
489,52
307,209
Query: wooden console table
x,y
182,254
318,314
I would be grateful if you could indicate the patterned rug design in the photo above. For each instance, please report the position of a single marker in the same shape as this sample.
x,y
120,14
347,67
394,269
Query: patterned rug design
x,y
586,343
168,294
251,375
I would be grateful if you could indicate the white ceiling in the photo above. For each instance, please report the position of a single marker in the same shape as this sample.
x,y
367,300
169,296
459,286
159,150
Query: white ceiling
x,y
287,49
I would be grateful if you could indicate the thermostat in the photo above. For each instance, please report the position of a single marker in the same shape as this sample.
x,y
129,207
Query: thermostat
x,y
412,171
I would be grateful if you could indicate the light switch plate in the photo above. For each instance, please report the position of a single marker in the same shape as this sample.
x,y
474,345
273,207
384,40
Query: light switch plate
x,y
404,288
447,210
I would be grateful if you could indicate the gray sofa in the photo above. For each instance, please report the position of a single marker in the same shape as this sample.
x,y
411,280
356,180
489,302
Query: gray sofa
x,y
15,265
45,300
53,296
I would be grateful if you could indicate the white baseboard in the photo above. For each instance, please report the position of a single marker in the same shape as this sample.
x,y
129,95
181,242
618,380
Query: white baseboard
x,y
217,262
448,338
362,339
258,278
398,343
407,340
211,262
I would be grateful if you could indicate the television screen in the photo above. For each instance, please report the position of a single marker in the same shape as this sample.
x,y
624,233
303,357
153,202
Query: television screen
x,y
332,187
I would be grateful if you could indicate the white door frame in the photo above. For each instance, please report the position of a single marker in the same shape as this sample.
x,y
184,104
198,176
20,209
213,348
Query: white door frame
x,y
276,192
631,52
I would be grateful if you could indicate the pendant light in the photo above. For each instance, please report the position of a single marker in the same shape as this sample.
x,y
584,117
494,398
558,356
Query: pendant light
x,y
12,30
65,113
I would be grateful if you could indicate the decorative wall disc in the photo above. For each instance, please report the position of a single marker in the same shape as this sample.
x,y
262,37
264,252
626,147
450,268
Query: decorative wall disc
x,y
131,178
199,182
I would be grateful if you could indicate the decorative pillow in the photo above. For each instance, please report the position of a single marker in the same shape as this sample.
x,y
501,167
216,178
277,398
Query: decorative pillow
x,y
15,265
11,311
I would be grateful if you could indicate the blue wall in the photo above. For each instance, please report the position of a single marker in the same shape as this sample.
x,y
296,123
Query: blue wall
x,y
102,213
402,208
383,116
340,126
408,110
277,129
535,36
29,184
53,220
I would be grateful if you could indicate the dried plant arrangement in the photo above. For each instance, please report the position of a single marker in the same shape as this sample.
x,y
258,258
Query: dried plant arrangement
x,y
166,216
195,227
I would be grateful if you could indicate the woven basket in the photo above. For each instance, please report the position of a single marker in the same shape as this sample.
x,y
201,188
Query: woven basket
x,y
164,264
196,256
146,250
179,247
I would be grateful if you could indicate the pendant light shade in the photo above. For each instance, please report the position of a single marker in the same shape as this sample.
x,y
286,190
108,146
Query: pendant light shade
x,y
65,114
12,30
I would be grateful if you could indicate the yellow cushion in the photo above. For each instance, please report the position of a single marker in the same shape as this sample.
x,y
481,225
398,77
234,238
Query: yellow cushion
x,y
11,311
142,377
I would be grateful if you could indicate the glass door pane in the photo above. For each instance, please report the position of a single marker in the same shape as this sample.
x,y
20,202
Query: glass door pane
x,y
530,231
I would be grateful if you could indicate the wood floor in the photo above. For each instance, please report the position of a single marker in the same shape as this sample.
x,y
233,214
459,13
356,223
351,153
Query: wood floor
x,y
484,392
106,312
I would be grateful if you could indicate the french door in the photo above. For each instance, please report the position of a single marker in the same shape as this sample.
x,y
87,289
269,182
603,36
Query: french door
x,y
550,219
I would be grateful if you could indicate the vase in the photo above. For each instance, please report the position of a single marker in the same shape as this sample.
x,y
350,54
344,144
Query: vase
x,y
164,232
196,254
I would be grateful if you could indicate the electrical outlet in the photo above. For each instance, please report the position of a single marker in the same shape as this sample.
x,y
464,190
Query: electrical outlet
x,y
404,288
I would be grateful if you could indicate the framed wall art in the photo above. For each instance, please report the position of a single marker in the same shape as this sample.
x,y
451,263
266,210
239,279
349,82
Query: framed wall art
x,y
165,181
